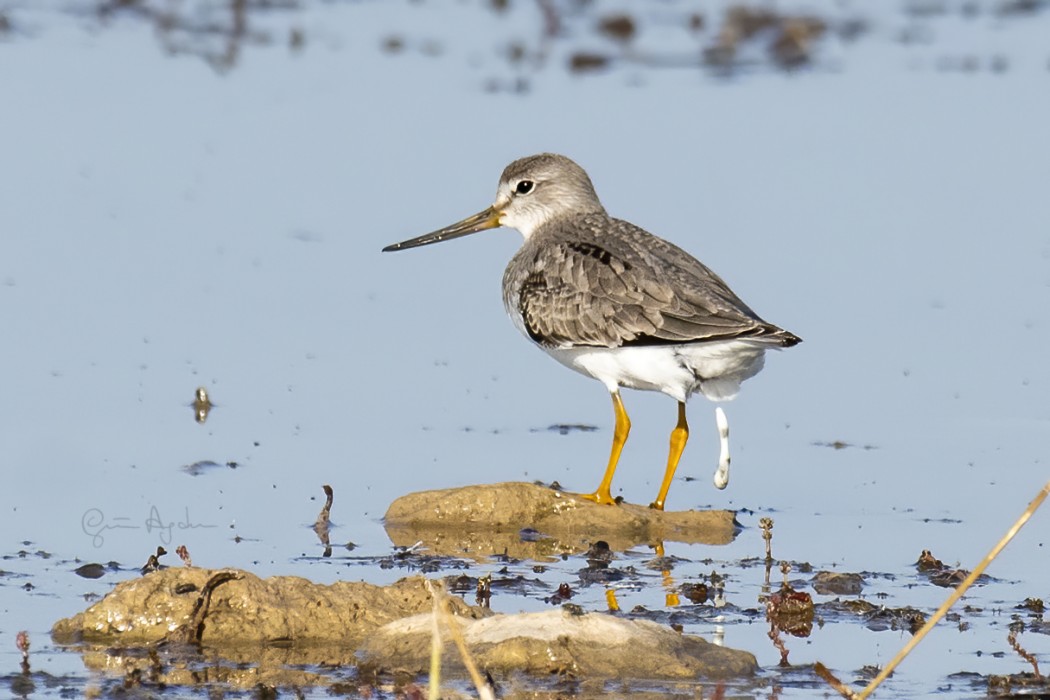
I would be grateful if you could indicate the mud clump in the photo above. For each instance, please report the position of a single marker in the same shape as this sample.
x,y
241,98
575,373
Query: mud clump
x,y
834,583
218,607
591,645
163,625
488,519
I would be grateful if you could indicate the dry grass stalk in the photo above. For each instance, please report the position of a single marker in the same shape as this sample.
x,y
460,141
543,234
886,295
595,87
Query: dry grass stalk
x,y
1024,653
442,610
833,681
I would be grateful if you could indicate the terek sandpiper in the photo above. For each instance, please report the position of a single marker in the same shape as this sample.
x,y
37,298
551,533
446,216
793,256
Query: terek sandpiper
x,y
616,303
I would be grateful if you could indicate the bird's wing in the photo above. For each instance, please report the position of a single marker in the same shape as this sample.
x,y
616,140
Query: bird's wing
x,y
579,292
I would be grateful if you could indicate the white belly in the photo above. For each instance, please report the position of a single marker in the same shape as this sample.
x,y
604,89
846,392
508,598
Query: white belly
x,y
713,369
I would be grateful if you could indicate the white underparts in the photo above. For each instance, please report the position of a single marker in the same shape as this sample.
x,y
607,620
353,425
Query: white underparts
x,y
714,369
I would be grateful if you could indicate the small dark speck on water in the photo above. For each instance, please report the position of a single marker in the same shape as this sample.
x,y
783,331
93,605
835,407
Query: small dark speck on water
x,y
90,571
204,466
618,27
529,534
582,61
566,428
841,445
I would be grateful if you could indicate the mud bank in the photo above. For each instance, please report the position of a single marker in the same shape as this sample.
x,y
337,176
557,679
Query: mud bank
x,y
284,630
535,521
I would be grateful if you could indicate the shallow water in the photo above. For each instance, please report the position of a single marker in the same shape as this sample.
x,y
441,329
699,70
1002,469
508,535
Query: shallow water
x,y
171,222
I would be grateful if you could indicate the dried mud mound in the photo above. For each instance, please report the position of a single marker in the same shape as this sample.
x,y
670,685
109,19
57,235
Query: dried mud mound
x,y
267,631
218,607
593,645
488,519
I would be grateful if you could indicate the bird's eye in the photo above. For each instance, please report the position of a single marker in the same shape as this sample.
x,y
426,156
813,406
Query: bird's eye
x,y
524,187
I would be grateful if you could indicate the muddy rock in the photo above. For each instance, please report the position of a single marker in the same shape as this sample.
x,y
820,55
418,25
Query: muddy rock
x,y
593,645
488,519
834,583
222,607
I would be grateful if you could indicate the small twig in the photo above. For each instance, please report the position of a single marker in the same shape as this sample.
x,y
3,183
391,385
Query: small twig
x,y
153,563
321,525
484,591
766,525
1023,653
22,642
192,631
324,517
834,682
774,636
441,605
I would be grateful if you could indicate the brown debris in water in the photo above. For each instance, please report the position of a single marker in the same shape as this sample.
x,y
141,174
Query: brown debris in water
x,y
697,593
202,405
790,40
1017,685
321,525
788,611
835,583
766,525
1028,656
483,594
938,572
620,27
791,611
22,644
153,563
1034,605
876,617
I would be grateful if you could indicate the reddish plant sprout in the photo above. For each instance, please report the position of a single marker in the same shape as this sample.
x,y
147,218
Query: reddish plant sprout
x,y
22,642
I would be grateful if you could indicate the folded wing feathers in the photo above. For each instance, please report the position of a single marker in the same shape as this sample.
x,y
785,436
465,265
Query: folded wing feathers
x,y
581,293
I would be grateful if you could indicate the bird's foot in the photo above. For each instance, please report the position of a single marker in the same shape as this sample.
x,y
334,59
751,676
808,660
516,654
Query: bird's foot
x,y
657,505
601,497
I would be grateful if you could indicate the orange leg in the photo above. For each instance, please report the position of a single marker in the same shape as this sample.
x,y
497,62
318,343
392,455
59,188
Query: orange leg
x,y
671,597
679,436
623,428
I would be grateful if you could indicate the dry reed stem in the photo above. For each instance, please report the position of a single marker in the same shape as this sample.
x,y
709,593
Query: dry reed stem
x,y
833,681
441,606
434,681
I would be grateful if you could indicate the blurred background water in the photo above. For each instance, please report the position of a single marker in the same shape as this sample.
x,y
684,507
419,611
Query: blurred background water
x,y
196,195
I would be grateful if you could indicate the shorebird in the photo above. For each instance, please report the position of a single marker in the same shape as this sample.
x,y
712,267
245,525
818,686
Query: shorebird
x,y
616,303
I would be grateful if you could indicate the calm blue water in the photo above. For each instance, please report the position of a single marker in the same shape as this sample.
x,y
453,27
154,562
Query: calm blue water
x,y
168,225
